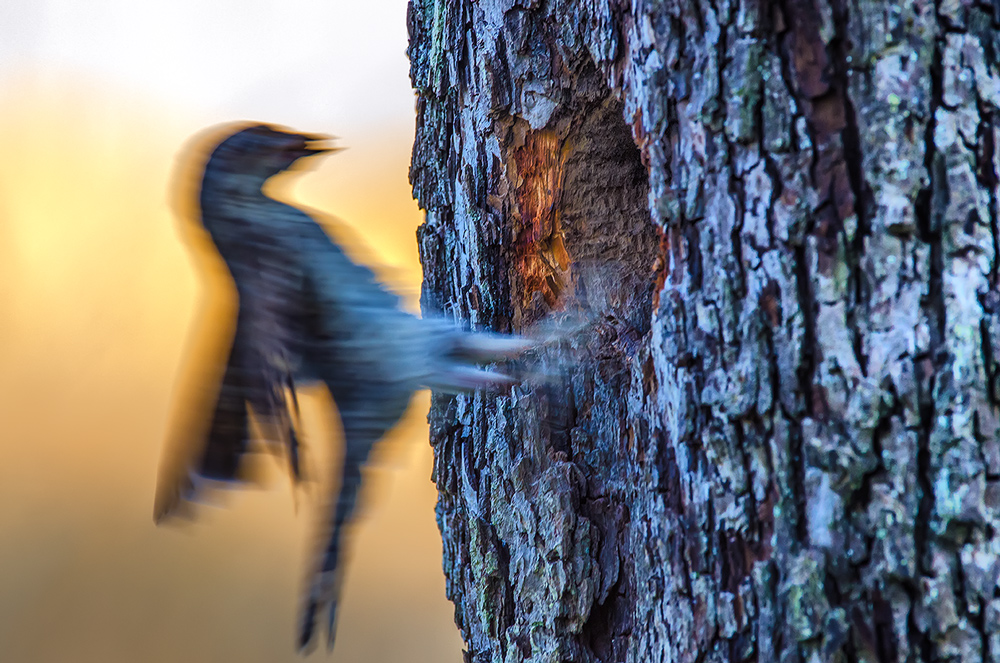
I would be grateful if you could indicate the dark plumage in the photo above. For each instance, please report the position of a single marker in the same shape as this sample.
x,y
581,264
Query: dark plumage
x,y
307,312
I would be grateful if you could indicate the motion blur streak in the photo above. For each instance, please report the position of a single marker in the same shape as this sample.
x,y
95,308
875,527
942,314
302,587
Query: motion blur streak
x,y
98,296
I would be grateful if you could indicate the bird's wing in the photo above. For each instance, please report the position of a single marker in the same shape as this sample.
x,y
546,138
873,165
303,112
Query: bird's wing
x,y
206,442
258,373
269,384
228,434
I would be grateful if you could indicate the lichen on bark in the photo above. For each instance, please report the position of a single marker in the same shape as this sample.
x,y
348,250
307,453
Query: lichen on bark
x,y
777,439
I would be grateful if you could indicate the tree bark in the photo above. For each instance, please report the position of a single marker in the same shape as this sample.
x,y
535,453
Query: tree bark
x,y
777,438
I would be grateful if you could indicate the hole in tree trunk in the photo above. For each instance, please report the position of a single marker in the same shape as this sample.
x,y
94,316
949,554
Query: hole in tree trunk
x,y
605,219
585,235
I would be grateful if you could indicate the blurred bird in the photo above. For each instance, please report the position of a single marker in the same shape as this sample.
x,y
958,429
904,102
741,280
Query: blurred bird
x,y
309,313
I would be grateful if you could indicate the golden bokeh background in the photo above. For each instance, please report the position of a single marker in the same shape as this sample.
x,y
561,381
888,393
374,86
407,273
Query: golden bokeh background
x,y
98,296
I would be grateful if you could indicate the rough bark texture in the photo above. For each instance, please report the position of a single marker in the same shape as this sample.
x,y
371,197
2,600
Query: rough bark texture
x,y
778,438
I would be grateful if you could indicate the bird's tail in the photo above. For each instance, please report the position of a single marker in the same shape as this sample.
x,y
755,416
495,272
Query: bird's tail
x,y
361,431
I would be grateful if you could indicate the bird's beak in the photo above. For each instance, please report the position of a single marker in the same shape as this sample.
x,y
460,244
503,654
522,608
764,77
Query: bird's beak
x,y
320,144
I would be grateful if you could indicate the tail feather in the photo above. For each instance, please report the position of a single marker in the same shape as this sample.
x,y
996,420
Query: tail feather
x,y
324,590
362,429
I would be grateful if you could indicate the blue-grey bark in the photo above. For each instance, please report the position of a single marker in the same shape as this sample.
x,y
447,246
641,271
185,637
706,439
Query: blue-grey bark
x,y
778,438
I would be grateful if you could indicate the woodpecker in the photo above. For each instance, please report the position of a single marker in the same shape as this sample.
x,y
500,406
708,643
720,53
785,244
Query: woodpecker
x,y
308,313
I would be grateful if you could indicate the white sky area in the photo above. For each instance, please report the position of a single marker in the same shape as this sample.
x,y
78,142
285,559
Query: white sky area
x,y
318,65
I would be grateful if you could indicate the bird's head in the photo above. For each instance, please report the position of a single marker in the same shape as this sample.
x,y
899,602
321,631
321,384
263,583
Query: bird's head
x,y
256,153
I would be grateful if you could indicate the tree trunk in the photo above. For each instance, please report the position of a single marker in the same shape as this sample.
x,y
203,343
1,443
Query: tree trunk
x,y
777,436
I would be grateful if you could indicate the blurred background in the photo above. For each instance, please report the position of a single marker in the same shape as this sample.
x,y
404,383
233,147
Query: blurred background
x,y
98,298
